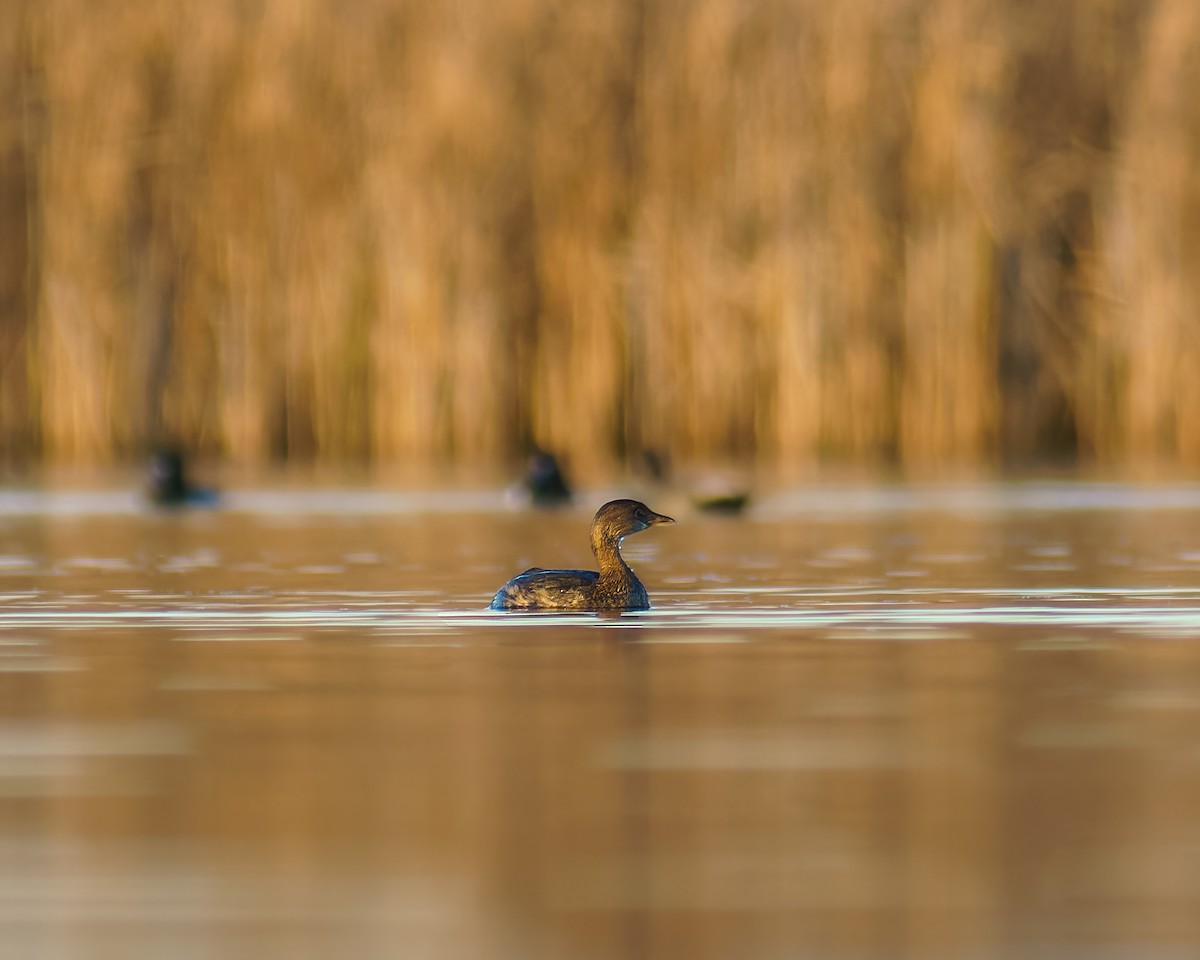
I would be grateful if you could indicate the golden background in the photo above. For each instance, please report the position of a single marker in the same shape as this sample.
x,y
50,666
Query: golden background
x,y
925,231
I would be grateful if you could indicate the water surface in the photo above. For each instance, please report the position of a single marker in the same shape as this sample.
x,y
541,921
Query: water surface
x,y
861,721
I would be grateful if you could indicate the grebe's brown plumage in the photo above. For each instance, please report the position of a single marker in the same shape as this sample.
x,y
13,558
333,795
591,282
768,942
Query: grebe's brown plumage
x,y
613,587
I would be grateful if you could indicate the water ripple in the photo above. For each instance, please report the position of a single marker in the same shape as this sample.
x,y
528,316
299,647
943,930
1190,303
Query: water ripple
x,y
1147,610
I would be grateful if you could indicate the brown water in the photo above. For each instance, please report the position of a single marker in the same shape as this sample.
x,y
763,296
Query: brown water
x,y
861,722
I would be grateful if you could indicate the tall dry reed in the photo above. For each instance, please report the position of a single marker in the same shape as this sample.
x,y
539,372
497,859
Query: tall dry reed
x,y
922,230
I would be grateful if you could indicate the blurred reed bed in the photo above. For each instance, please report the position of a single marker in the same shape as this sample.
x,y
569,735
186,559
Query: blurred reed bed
x,y
932,231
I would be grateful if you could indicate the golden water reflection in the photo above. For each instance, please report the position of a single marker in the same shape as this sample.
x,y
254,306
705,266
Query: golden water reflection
x,y
226,736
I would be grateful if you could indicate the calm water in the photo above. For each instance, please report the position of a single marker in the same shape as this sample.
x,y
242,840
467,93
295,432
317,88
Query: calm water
x,y
861,722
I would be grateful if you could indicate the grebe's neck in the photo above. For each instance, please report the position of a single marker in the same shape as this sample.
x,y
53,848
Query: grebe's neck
x,y
606,547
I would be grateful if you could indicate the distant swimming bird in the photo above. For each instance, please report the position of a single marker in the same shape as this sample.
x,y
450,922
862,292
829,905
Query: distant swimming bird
x,y
169,485
615,587
730,502
545,481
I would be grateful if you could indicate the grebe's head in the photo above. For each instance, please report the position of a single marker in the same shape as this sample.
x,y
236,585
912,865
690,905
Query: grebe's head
x,y
620,518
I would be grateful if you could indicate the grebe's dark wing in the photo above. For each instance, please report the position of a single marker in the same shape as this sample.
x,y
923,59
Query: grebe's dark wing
x,y
538,589
562,579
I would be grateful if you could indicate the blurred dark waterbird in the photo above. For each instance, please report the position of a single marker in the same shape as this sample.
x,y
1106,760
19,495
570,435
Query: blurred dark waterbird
x,y
614,587
545,481
729,502
169,486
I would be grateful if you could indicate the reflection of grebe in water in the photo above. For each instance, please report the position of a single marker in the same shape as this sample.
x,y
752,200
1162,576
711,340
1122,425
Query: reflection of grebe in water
x,y
614,587
169,486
